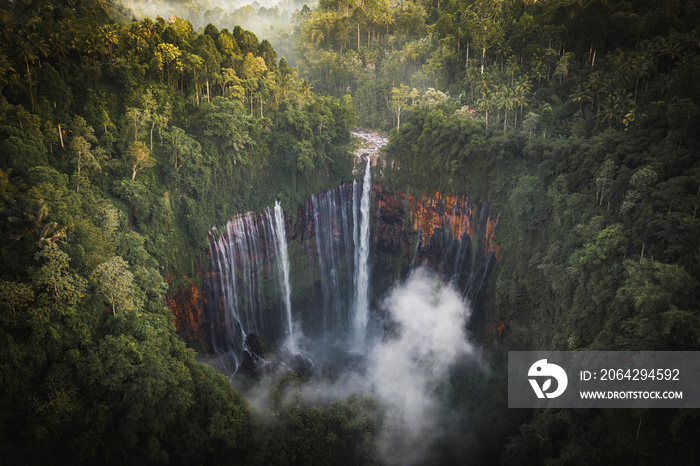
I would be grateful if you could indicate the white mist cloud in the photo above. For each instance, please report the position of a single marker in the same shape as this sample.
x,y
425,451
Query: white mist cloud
x,y
426,319
427,337
404,371
223,13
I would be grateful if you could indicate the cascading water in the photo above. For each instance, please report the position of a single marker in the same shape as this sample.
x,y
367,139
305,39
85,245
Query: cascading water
x,y
252,266
341,230
251,262
330,212
247,289
283,268
361,301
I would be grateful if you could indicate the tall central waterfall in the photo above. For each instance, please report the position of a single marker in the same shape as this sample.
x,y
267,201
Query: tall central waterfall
x,y
283,268
361,309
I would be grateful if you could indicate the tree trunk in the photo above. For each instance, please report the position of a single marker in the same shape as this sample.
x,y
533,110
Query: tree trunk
x,y
29,76
60,136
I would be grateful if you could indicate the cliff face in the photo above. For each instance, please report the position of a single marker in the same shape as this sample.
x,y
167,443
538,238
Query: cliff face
x,y
187,305
433,217
450,233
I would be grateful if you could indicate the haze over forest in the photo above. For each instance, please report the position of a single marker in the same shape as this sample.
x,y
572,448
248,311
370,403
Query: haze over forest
x,y
200,264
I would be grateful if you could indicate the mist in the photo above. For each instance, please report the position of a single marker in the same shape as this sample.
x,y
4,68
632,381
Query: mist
x,y
424,321
266,18
407,367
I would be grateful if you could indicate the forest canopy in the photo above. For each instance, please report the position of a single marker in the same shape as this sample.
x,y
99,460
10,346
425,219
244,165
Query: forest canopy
x,y
122,142
125,139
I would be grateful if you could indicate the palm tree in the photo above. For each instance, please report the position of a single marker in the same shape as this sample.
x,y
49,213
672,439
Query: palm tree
x,y
668,48
503,50
521,92
286,80
486,104
507,102
5,68
498,101
91,48
471,75
640,64
512,67
59,48
386,19
615,107
597,81
484,86
26,51
138,35
109,37
580,94
41,48
149,27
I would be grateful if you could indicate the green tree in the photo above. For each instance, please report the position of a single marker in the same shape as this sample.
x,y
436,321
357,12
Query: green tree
x,y
185,151
656,308
224,119
81,147
485,104
113,281
140,157
206,49
55,278
580,95
252,71
399,100
168,59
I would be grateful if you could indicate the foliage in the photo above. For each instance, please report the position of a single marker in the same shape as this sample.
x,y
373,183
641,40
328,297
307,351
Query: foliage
x,y
597,235
122,142
576,120
344,432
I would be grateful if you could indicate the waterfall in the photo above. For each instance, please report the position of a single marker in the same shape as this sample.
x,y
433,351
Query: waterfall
x,y
247,288
330,212
341,220
278,226
361,301
251,262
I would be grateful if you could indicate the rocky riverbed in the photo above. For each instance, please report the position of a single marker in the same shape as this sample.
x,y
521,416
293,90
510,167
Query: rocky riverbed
x,y
370,144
